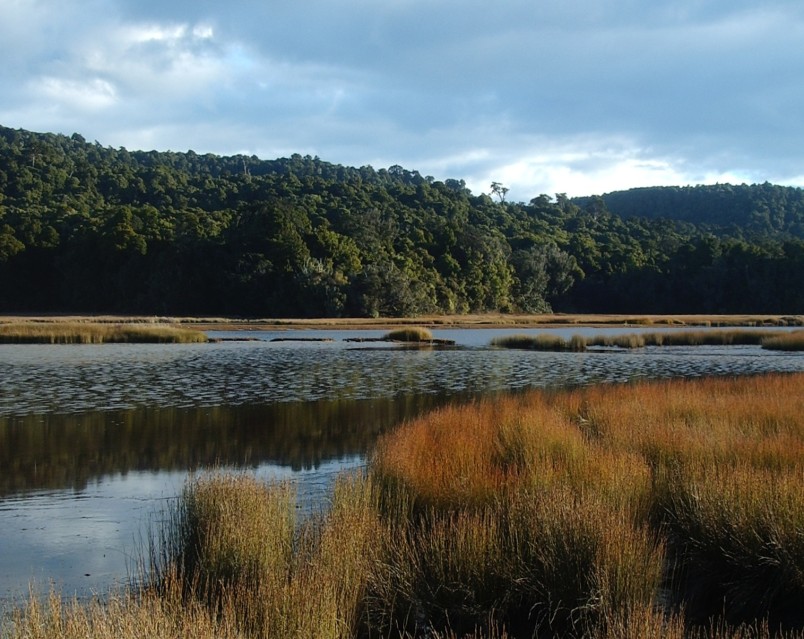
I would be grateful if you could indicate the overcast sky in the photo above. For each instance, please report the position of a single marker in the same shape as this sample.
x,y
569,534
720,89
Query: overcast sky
x,y
546,96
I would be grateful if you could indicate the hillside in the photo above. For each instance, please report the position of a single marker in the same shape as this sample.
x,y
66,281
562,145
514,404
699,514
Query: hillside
x,y
761,210
86,228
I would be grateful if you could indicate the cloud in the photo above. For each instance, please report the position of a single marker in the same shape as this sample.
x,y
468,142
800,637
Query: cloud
x,y
84,95
549,95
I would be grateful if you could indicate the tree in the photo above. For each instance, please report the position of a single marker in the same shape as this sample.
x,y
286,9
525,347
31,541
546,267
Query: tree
x,y
499,190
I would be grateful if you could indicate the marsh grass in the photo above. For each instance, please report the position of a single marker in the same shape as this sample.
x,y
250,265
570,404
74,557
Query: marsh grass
x,y
793,341
409,334
579,343
541,342
95,333
239,550
122,615
664,509
738,534
593,505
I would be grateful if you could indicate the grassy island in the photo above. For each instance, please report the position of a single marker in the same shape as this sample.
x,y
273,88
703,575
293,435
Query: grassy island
x,y
409,334
96,333
772,340
668,509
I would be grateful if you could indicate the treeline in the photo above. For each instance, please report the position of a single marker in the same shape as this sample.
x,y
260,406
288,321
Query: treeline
x,y
86,228
759,210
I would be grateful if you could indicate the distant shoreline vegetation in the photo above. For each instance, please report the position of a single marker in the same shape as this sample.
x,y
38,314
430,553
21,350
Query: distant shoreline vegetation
x,y
95,333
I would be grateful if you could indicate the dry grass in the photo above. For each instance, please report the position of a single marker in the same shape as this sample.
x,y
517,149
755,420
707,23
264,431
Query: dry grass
x,y
486,320
793,341
410,334
237,548
164,615
541,342
665,509
95,333
574,496
733,337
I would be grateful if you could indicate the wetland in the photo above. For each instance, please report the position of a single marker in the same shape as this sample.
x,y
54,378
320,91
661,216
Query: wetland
x,y
96,441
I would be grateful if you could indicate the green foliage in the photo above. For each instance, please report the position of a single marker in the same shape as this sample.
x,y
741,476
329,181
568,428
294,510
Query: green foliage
x,y
88,229
759,210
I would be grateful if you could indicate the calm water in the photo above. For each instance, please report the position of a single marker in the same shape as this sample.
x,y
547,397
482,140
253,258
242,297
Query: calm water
x,y
95,441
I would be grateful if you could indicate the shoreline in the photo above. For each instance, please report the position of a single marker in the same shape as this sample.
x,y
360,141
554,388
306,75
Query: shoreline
x,y
472,321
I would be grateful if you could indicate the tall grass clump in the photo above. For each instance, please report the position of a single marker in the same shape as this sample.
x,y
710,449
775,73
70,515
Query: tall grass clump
x,y
541,342
631,340
237,548
410,334
793,341
121,615
733,337
579,513
737,535
500,518
95,333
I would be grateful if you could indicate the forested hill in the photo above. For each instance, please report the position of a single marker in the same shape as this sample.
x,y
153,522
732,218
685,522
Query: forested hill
x,y
754,210
86,228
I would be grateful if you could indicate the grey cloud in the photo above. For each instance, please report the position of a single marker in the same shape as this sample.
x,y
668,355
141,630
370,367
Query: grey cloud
x,y
538,90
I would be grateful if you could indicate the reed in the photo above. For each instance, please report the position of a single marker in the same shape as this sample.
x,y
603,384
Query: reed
x,y
95,333
229,538
513,519
631,340
733,337
663,509
409,334
737,537
122,615
541,342
793,341
237,549
572,500
549,342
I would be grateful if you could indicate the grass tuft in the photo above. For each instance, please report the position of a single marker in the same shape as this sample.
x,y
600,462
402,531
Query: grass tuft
x,y
793,341
95,333
733,337
409,334
541,342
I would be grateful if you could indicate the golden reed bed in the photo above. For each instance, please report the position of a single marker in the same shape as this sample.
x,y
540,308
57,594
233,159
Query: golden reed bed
x,y
664,509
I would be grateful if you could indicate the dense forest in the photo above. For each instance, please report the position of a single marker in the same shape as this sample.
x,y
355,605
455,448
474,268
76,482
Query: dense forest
x,y
723,209
86,228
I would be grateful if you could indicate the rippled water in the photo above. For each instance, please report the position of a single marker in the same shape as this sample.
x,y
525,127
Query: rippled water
x,y
68,378
94,440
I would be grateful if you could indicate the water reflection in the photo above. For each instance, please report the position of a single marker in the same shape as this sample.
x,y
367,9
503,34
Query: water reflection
x,y
78,492
58,451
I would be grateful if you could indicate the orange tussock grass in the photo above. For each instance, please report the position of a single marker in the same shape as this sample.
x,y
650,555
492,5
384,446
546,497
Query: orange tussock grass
x,y
544,475
466,455
756,418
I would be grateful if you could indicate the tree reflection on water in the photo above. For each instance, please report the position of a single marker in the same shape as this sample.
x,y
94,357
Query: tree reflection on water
x,y
67,451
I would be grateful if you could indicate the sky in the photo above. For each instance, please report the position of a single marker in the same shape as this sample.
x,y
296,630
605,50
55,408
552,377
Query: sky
x,y
579,97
